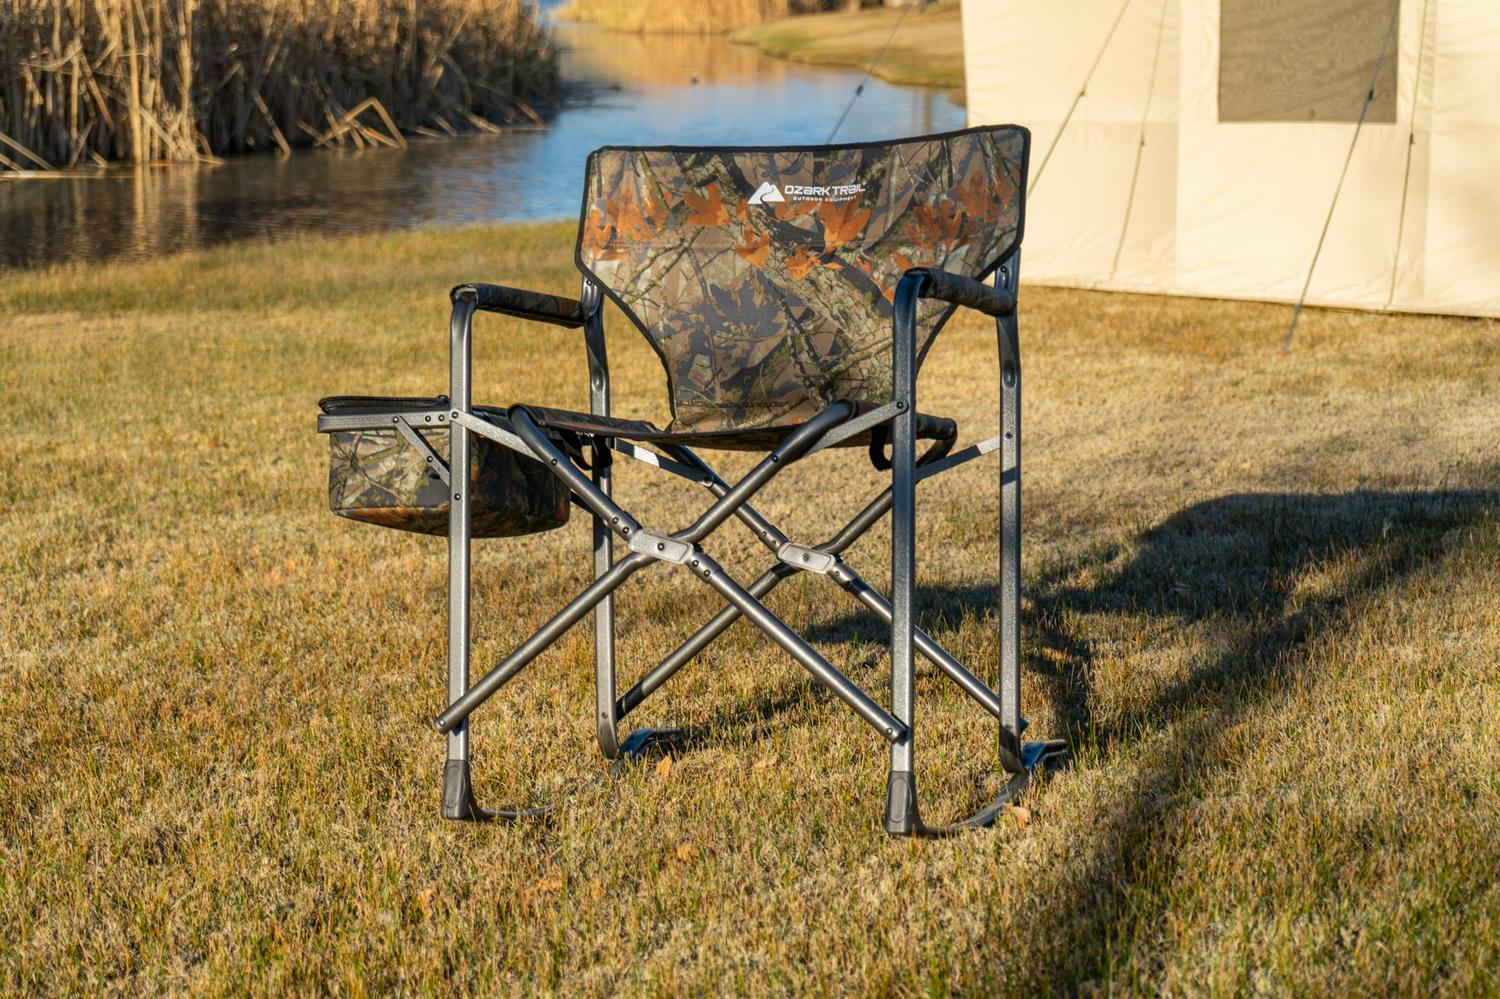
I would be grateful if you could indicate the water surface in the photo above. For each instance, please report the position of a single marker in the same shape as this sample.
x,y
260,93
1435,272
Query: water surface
x,y
639,90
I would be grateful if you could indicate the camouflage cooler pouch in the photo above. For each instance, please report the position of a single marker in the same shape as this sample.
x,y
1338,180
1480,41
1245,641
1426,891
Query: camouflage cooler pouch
x,y
377,476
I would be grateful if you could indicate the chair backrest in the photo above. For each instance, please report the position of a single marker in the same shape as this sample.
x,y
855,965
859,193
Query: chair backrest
x,y
764,277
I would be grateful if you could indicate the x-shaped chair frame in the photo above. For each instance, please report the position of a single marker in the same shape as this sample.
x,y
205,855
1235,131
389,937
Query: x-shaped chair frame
x,y
612,522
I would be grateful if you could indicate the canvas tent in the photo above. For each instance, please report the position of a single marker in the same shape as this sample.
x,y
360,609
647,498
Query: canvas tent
x,y
1205,153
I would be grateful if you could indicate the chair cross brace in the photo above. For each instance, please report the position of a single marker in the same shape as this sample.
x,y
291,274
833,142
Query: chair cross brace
x,y
824,559
415,439
680,548
836,424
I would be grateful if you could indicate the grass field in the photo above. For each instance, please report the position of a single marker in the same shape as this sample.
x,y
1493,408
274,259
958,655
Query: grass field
x,y
1262,599
926,48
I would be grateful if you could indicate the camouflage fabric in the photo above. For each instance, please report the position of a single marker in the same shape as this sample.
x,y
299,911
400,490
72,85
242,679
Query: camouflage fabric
x,y
377,477
765,278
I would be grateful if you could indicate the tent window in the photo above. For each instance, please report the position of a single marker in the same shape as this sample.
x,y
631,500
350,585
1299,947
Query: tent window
x,y
1290,60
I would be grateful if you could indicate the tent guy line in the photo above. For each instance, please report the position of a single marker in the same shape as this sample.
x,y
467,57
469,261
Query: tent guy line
x,y
869,72
1411,140
1135,173
1082,92
1364,110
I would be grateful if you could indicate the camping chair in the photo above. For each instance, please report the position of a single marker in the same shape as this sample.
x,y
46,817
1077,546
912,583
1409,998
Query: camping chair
x,y
791,295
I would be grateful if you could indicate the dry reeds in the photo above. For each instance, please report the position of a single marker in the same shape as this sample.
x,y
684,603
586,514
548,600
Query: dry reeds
x,y
143,80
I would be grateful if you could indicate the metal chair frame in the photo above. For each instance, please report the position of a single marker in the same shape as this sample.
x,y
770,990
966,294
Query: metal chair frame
x,y
533,432
683,548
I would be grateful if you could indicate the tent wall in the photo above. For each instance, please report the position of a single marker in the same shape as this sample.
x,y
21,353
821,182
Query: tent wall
x,y
1234,208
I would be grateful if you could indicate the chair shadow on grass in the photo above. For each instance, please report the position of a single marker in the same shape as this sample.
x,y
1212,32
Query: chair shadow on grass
x,y
1234,558
1236,561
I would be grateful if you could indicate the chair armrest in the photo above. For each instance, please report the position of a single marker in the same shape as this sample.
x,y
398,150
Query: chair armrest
x,y
960,290
534,305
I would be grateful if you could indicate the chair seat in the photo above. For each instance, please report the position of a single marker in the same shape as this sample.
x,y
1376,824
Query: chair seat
x,y
745,439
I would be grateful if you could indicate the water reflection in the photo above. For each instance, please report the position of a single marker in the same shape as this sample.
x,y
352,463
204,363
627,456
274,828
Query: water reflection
x,y
641,90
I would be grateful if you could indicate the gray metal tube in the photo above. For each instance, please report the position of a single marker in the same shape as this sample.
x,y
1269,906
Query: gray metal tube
x,y
1010,525
877,507
606,719
764,531
773,539
891,729
931,650
460,367
543,637
788,451
562,466
903,515
700,640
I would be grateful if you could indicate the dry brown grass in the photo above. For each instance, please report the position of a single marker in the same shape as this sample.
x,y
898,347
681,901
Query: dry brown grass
x,y
684,17
141,80
1262,598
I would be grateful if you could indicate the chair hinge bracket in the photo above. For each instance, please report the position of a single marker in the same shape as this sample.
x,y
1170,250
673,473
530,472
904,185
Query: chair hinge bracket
x,y
808,559
435,463
661,547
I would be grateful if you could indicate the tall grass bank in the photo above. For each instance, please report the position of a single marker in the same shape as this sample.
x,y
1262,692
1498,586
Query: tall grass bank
x,y
142,80
688,17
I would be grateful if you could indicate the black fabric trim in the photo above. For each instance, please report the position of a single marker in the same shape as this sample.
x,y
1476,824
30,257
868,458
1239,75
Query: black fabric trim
x,y
585,427
879,437
540,306
380,405
810,147
959,290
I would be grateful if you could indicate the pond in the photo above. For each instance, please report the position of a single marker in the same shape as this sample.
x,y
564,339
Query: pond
x,y
645,90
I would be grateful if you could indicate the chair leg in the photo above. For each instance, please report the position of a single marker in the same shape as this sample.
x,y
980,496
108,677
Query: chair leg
x,y
1011,757
606,713
606,717
901,792
458,796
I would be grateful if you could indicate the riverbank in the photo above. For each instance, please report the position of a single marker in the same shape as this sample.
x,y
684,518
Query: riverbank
x,y
927,49
646,89
1271,644
682,17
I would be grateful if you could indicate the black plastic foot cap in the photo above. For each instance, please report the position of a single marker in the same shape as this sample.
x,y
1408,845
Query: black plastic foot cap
x,y
901,803
458,796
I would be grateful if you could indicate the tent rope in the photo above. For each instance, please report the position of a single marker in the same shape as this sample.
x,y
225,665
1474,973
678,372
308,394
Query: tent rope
x,y
1082,92
1348,158
1135,173
1411,140
869,71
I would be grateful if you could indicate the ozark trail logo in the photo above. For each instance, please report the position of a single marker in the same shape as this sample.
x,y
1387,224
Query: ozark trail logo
x,y
769,192
766,192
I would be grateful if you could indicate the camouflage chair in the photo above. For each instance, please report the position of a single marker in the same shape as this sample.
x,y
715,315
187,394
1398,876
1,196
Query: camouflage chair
x,y
791,295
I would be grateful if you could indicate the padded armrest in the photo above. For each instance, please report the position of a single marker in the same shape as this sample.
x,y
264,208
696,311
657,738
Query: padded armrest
x,y
536,305
959,290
